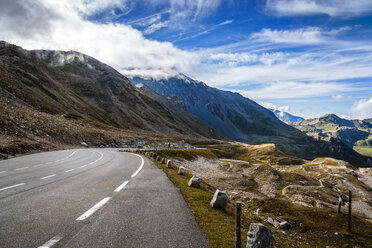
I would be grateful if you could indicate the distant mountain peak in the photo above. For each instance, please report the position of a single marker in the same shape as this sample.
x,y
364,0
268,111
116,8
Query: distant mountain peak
x,y
286,117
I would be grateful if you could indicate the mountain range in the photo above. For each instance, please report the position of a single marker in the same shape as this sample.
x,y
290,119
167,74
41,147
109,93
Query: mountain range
x,y
241,119
356,134
50,97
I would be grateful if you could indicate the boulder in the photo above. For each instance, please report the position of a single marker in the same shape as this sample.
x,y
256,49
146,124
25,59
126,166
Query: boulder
x,y
84,144
181,170
163,161
235,195
273,222
195,182
169,164
259,236
284,224
220,200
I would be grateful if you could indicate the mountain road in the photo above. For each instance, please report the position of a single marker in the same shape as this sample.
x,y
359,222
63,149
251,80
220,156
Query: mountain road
x,y
92,198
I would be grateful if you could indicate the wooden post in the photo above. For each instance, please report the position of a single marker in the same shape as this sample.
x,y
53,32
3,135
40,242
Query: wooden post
x,y
238,230
349,210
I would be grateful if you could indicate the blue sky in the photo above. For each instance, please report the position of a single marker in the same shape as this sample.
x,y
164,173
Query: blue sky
x,y
308,57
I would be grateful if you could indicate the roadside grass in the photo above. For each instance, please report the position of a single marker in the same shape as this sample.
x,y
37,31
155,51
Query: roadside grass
x,y
267,154
311,227
218,225
186,154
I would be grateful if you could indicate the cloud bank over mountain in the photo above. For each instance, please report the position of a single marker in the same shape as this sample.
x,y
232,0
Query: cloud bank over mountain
x,y
213,41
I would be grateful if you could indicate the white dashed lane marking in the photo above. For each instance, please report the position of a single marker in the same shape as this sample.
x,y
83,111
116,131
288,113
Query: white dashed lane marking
x,y
48,176
51,242
94,208
13,186
121,186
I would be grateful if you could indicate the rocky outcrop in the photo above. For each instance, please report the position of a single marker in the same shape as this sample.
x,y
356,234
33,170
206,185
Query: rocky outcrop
x,y
259,236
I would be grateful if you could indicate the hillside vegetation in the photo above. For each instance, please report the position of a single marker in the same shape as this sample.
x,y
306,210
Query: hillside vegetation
x,y
356,134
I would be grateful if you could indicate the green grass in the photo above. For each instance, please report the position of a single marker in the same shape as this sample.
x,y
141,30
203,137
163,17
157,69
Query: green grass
x,y
364,150
311,227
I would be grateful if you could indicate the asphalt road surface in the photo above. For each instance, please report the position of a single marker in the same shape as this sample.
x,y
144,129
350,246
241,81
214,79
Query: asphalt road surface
x,y
92,198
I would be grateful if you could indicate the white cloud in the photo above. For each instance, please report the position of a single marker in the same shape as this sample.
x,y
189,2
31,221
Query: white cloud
x,y
115,44
271,67
225,22
206,31
338,97
272,106
92,6
361,109
293,90
183,13
309,35
156,26
334,8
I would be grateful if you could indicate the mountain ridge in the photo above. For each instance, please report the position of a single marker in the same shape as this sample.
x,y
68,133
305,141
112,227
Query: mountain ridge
x,y
244,120
356,134
73,82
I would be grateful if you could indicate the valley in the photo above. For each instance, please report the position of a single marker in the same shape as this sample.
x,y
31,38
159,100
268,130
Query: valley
x,y
56,100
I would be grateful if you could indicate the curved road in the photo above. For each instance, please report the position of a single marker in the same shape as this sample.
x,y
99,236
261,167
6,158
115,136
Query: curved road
x,y
92,198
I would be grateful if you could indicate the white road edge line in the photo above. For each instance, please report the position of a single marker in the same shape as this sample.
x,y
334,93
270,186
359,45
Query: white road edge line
x,y
121,186
70,170
48,176
140,168
22,168
13,186
94,208
51,242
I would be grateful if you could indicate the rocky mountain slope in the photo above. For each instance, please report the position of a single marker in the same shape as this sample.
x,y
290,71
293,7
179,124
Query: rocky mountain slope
x,y
356,134
242,119
232,114
71,83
